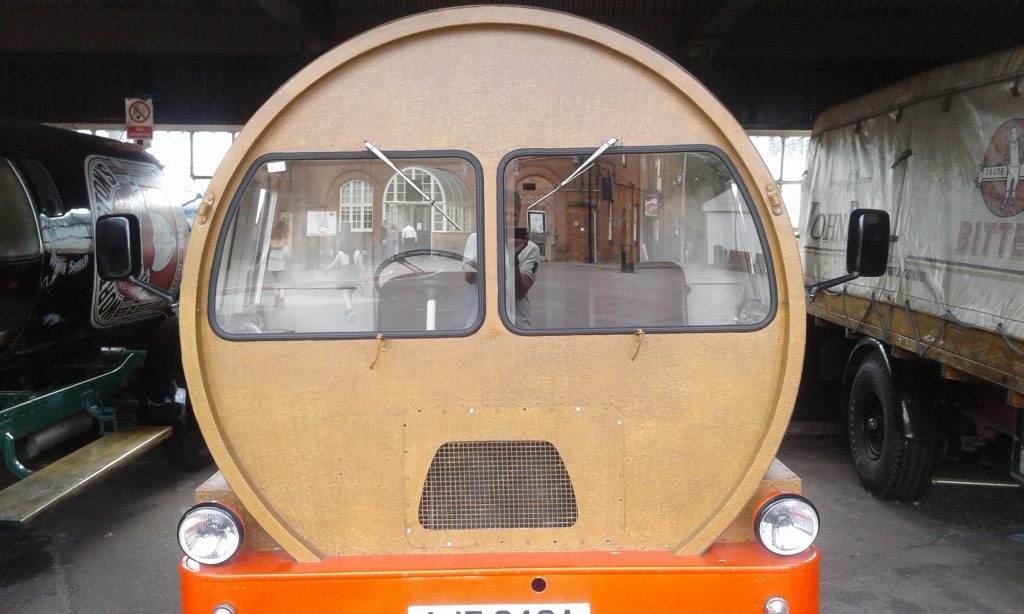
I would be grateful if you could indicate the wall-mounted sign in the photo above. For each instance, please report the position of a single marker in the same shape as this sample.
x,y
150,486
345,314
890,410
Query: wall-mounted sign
x,y
652,204
138,114
537,222
321,223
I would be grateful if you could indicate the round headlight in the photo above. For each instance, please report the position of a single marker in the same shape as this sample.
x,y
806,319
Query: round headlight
x,y
786,524
210,533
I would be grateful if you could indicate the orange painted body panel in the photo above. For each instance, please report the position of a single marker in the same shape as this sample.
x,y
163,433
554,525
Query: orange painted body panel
x,y
727,578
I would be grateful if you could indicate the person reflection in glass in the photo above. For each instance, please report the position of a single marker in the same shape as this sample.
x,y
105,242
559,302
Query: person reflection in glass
x,y
526,263
470,269
522,267
349,262
277,260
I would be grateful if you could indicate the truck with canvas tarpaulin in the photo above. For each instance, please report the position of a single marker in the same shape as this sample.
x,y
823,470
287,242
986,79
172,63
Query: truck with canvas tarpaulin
x,y
931,354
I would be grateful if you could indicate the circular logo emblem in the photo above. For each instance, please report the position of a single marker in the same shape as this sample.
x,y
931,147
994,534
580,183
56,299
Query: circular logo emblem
x,y
1000,172
164,243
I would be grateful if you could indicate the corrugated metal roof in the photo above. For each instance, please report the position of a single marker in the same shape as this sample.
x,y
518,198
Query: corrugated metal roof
x,y
578,7
119,5
895,9
772,62
892,9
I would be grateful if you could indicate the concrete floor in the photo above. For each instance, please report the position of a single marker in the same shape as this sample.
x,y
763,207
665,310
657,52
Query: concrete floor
x,y
956,550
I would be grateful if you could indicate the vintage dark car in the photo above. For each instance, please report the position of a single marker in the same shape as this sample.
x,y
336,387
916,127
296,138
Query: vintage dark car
x,y
84,361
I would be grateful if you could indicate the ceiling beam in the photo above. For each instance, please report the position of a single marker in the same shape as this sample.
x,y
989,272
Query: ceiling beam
x,y
301,25
706,42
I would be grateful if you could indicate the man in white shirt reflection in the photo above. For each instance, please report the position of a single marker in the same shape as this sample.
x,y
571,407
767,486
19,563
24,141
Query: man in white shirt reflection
x,y
470,267
524,273
409,238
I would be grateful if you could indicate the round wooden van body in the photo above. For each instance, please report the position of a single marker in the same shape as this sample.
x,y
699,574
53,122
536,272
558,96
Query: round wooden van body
x,y
327,438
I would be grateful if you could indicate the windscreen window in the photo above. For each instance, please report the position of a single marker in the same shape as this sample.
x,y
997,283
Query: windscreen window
x,y
646,240
19,234
350,247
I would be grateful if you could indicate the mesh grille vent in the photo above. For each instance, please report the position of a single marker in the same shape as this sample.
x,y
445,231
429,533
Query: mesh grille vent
x,y
497,485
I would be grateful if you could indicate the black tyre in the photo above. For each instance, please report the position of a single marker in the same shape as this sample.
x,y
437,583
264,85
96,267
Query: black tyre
x,y
889,465
164,375
185,448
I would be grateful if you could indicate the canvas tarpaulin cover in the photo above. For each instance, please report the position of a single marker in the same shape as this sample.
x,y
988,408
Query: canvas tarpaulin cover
x,y
943,153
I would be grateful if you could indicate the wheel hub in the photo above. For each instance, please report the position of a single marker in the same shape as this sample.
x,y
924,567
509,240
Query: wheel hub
x,y
874,426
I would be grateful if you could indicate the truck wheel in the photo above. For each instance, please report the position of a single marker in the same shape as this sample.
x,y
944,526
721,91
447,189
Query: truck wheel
x,y
888,464
163,375
185,448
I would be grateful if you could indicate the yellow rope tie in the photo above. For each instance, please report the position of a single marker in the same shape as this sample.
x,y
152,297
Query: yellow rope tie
x,y
638,340
382,346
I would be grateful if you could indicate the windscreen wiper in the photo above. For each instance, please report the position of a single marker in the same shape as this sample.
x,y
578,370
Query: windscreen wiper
x,y
582,168
373,149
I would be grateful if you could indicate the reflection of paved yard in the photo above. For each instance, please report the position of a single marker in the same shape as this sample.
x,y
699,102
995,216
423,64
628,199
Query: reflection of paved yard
x,y
575,294
565,295
318,309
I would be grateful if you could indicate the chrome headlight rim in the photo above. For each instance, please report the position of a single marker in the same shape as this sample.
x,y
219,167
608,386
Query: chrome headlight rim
x,y
230,513
766,507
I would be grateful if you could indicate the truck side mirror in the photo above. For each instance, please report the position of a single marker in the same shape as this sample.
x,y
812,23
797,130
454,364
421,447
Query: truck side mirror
x,y
119,252
867,242
867,248
118,247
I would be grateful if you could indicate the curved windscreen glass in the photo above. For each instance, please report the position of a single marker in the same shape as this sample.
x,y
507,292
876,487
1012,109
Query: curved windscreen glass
x,y
646,240
350,246
19,234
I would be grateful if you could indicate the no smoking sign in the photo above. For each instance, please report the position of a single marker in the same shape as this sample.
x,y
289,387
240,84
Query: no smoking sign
x,y
138,114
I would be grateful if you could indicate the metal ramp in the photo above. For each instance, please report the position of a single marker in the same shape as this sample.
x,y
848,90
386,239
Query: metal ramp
x,y
26,499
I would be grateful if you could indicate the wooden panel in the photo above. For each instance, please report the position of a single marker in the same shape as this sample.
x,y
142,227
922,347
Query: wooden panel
x,y
588,439
23,501
972,351
956,375
778,478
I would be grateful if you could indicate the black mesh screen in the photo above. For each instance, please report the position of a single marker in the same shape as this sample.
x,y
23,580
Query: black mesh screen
x,y
497,485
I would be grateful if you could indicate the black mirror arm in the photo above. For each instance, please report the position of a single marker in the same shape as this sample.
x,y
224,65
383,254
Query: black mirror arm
x,y
191,200
828,283
148,287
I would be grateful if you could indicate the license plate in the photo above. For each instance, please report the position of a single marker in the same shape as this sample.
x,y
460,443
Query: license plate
x,y
503,608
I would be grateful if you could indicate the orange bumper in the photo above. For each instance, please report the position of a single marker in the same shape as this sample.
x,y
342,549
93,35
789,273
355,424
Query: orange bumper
x,y
727,578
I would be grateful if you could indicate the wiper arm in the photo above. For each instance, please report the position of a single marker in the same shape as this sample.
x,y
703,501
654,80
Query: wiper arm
x,y
582,168
373,149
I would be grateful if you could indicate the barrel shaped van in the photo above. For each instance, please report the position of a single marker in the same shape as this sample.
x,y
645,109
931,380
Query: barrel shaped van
x,y
494,309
